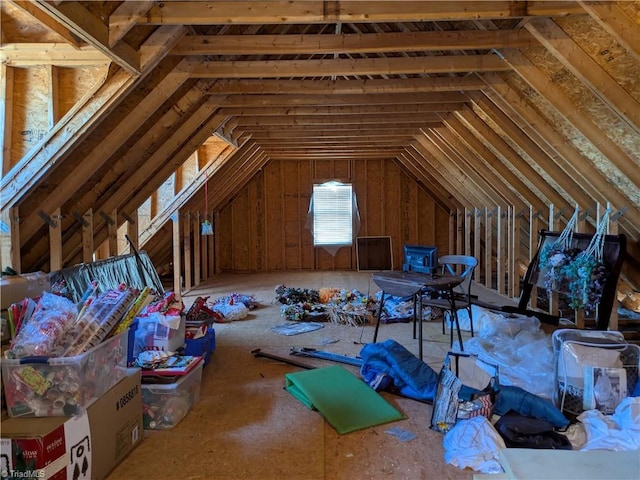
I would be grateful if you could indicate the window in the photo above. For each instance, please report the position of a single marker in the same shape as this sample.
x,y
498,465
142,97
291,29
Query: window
x,y
333,208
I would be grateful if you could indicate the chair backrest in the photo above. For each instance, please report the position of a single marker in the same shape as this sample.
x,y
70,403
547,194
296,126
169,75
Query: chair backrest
x,y
462,265
614,254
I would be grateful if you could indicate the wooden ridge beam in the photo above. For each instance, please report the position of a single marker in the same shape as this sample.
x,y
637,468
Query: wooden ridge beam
x,y
352,43
340,86
350,67
81,22
291,12
338,143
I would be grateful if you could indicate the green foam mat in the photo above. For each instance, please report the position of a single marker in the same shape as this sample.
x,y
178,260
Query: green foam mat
x,y
345,401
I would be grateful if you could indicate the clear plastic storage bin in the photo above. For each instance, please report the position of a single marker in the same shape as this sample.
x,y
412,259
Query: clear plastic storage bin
x,y
61,386
165,404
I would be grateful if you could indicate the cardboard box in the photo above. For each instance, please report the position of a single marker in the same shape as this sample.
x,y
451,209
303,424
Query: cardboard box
x,y
90,444
18,287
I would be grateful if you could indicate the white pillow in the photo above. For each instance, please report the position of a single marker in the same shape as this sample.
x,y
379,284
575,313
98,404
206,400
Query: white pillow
x,y
574,357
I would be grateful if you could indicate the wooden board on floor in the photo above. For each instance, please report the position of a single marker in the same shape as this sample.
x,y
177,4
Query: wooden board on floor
x,y
532,464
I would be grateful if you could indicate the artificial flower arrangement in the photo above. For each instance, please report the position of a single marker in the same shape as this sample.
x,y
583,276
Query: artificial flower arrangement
x,y
580,273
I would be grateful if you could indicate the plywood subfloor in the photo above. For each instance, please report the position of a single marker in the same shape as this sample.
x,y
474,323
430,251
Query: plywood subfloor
x,y
246,426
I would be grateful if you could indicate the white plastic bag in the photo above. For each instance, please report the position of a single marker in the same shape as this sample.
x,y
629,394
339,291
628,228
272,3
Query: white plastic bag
x,y
237,311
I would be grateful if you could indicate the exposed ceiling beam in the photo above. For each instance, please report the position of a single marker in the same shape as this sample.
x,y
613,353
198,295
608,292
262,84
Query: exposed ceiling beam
x,y
586,69
350,67
352,43
372,119
58,54
125,17
260,12
49,22
381,111
405,85
617,23
341,100
92,30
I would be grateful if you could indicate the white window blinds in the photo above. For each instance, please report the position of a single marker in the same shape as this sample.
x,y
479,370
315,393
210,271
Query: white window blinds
x,y
332,214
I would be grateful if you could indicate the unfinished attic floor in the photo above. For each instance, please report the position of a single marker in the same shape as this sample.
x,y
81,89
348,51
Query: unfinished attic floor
x,y
246,426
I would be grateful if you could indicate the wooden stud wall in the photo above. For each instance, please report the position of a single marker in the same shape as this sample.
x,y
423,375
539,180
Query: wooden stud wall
x,y
263,228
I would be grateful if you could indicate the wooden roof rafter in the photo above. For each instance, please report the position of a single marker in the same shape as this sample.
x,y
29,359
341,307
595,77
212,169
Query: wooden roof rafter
x,y
586,69
81,22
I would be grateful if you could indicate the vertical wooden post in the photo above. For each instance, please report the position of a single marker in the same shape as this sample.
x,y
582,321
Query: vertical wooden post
x,y
534,227
55,241
6,114
205,254
112,235
187,252
53,97
10,240
488,249
132,230
613,230
467,230
554,297
460,231
452,232
515,272
196,249
477,230
87,238
215,221
177,260
500,251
